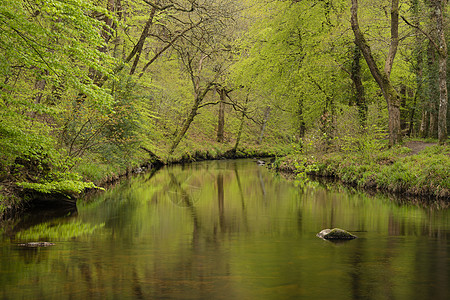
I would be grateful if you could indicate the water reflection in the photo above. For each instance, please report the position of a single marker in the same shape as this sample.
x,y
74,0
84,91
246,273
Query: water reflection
x,y
230,229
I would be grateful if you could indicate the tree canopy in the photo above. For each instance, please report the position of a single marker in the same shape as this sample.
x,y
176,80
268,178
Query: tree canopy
x,y
90,87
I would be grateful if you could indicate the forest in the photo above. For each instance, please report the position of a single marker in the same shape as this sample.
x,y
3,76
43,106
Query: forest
x,y
91,89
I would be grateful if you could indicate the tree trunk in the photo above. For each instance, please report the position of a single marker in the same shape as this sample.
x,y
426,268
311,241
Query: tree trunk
x,y
403,110
263,126
382,77
189,119
412,112
137,50
432,88
241,126
394,121
433,126
221,121
443,93
423,131
418,93
301,121
355,75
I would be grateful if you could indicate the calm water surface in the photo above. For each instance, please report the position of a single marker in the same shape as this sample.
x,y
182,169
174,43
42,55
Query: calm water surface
x,y
228,230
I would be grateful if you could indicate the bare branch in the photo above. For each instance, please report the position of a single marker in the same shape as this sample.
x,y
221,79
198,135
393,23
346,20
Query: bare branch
x,y
166,47
423,32
208,103
170,6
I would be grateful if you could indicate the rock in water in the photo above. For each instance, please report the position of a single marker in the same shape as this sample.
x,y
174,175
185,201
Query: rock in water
x,y
336,234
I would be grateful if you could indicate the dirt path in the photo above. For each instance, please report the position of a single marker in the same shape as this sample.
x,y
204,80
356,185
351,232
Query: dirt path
x,y
417,146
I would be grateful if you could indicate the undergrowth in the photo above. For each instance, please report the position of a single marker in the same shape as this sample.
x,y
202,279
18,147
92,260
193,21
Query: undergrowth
x,y
394,170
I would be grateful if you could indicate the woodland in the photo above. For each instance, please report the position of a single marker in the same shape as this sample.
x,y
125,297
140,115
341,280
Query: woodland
x,y
90,89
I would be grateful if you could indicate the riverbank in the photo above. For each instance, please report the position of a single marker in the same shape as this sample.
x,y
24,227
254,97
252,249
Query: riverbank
x,y
91,175
415,169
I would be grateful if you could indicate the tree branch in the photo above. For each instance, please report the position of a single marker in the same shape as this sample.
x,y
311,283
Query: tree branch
x,y
394,38
29,43
170,6
166,47
423,32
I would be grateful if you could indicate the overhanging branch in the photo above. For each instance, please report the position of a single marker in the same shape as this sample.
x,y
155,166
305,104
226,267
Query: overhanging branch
x,y
424,33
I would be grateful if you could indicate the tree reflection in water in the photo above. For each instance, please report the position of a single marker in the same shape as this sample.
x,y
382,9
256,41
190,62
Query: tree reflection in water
x,y
231,229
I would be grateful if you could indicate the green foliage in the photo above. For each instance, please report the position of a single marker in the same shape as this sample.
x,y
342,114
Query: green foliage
x,y
66,187
74,111
368,142
304,166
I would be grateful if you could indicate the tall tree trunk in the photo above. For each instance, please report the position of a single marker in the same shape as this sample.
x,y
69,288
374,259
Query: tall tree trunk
x,y
403,110
432,90
190,118
137,50
418,71
221,121
241,126
263,126
443,93
355,75
433,126
382,77
412,112
423,131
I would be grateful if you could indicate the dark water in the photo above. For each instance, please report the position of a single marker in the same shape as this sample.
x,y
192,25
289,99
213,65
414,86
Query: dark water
x,y
229,230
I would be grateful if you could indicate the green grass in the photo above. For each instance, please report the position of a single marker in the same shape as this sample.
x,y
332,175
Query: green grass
x,y
395,170
213,150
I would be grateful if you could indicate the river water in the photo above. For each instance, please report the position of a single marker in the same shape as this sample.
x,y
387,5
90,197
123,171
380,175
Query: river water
x,y
228,230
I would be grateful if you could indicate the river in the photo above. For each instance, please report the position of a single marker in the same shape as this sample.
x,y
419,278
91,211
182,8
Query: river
x,y
228,230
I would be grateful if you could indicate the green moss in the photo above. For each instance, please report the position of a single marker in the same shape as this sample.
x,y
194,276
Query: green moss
x,y
341,234
336,234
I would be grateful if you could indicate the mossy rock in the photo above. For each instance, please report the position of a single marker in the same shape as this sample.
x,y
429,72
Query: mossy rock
x,y
336,234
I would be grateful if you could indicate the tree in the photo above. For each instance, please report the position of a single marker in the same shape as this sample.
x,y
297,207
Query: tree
x,y
440,5
204,54
382,77
438,44
360,98
49,49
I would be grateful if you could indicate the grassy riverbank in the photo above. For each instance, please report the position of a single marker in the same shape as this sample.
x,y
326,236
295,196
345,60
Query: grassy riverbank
x,y
401,169
417,168
36,182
